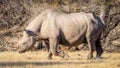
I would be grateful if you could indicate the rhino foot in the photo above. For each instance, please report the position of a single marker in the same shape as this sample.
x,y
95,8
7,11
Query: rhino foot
x,y
49,58
89,57
99,58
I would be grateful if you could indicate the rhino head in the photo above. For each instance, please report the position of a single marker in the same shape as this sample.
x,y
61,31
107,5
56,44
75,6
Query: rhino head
x,y
27,41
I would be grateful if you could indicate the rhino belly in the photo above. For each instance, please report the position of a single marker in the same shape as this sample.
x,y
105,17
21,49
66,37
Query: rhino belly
x,y
73,38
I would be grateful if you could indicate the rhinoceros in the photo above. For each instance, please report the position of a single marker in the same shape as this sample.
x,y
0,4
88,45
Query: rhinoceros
x,y
55,27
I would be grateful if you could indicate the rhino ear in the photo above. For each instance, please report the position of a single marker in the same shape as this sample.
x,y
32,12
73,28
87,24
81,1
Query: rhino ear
x,y
31,33
27,32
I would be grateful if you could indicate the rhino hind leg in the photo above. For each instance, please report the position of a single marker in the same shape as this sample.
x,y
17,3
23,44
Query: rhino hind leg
x,y
99,49
91,45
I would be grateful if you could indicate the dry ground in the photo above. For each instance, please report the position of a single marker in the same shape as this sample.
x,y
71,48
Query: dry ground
x,y
38,59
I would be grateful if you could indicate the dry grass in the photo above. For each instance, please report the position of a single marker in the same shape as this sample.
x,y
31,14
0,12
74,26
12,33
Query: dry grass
x,y
39,59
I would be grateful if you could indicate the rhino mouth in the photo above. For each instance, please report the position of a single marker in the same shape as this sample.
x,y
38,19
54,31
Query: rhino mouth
x,y
24,50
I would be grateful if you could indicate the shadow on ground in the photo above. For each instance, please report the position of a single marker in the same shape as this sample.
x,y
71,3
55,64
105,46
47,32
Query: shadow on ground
x,y
2,64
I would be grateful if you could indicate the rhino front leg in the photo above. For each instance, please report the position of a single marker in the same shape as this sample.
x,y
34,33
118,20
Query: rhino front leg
x,y
48,49
50,55
46,44
53,46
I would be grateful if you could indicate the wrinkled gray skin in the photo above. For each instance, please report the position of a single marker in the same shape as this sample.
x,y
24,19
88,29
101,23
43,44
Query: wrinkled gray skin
x,y
56,27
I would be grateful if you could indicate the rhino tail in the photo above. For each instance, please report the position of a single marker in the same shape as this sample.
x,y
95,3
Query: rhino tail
x,y
102,14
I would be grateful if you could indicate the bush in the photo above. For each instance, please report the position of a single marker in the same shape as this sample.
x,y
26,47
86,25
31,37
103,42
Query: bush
x,y
16,14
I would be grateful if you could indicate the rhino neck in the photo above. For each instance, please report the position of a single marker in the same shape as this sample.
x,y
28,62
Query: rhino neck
x,y
35,25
